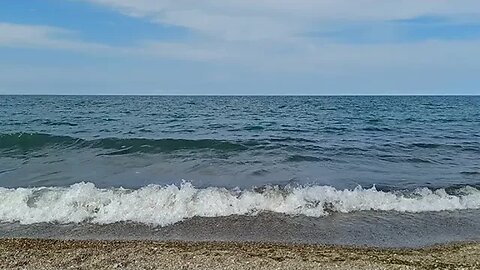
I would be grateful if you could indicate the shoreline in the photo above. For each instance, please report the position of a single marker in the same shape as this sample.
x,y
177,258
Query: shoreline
x,y
25,253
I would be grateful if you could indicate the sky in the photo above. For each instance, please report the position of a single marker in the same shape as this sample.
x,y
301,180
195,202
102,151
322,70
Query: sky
x,y
240,47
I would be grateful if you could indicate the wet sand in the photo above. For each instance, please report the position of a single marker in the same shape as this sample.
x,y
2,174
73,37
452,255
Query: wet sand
x,y
85,254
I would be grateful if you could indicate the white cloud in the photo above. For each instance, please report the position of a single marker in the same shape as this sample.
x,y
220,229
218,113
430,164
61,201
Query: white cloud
x,y
274,19
291,55
55,38
197,52
271,34
41,36
266,38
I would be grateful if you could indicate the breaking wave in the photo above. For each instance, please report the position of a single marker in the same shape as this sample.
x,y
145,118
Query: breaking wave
x,y
165,205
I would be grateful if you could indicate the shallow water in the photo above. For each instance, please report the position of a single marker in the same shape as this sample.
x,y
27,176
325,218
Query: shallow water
x,y
372,228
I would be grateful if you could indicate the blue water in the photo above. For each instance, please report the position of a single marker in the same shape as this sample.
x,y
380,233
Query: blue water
x,y
132,141
339,170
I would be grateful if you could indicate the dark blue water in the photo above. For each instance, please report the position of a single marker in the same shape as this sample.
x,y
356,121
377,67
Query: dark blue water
x,y
131,141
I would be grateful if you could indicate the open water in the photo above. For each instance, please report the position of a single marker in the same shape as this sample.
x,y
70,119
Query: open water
x,y
372,167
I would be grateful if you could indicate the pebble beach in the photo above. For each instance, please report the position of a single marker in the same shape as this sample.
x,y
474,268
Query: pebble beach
x,y
23,253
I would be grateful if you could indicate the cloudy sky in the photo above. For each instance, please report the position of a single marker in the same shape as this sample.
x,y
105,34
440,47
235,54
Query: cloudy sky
x,y
240,47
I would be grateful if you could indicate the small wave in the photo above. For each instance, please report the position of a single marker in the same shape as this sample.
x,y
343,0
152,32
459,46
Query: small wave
x,y
33,141
474,173
55,123
334,129
377,129
426,145
419,160
300,158
64,123
253,128
136,145
292,139
165,205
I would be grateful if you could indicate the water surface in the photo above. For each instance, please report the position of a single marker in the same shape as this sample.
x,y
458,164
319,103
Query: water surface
x,y
87,161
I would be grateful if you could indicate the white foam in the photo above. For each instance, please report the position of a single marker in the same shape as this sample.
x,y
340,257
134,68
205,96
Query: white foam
x,y
164,205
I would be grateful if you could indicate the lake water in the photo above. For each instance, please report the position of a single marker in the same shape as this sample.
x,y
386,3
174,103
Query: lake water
x,y
164,161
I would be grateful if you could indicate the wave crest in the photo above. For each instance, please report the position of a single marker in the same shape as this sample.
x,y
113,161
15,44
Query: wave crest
x,y
35,141
165,205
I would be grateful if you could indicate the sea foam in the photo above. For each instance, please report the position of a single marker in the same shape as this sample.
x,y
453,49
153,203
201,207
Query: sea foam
x,y
165,205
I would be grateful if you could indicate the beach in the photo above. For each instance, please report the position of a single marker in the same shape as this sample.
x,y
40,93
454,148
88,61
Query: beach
x,y
21,253
239,182
289,134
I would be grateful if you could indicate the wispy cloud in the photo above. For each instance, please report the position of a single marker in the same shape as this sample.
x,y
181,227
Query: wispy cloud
x,y
293,55
281,19
41,36
371,43
308,34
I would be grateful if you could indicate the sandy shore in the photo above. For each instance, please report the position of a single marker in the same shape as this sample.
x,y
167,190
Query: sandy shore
x,y
76,254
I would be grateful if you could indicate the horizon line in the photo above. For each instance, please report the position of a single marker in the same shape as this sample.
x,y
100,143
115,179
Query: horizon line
x,y
249,95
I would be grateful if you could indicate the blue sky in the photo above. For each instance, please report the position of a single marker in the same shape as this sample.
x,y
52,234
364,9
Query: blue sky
x,y
239,47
